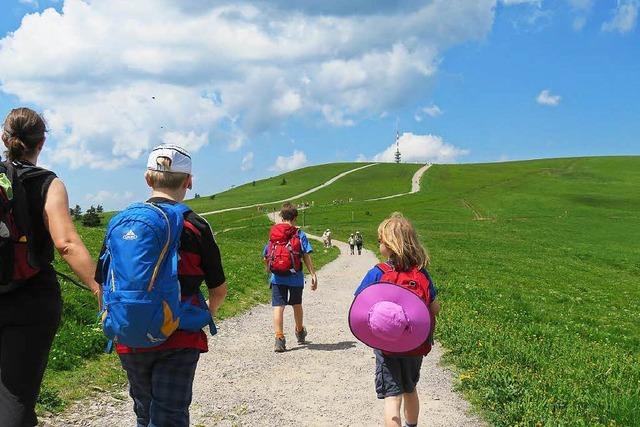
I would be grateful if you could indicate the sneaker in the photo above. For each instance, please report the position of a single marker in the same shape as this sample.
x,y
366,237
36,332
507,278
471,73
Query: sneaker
x,y
301,335
281,345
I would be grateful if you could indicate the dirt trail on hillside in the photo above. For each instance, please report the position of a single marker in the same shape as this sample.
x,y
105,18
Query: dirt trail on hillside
x,y
415,184
297,196
327,382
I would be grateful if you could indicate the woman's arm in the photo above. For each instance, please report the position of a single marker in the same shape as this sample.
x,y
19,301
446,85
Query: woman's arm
x,y
65,237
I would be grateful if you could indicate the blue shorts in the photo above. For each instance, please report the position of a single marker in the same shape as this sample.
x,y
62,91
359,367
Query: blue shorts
x,y
285,295
396,375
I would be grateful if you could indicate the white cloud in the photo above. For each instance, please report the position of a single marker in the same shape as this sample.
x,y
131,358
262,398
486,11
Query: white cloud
x,y
433,110
32,3
421,148
247,162
295,161
190,140
103,197
624,18
230,68
547,98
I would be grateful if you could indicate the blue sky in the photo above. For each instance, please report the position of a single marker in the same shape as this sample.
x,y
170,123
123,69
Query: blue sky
x,y
254,88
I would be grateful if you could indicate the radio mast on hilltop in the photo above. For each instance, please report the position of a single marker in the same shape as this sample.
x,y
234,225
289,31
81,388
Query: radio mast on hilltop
x,y
397,155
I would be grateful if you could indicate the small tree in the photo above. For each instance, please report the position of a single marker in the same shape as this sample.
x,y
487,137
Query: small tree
x,y
213,196
91,218
77,212
253,183
284,181
99,209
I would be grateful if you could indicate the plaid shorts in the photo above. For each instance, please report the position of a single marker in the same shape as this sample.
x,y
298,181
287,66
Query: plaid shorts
x,y
160,384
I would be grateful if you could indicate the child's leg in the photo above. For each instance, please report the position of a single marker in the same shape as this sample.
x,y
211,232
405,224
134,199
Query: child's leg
x,y
172,384
138,369
411,407
278,320
298,316
279,296
392,411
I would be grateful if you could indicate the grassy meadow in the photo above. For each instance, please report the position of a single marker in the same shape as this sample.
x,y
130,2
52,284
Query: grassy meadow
x,y
537,269
536,264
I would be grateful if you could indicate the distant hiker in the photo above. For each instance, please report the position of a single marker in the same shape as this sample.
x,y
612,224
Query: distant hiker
x,y
327,235
287,249
159,334
352,242
359,242
394,312
34,219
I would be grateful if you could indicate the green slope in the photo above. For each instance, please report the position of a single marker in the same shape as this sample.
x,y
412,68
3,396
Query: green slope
x,y
536,265
270,189
537,269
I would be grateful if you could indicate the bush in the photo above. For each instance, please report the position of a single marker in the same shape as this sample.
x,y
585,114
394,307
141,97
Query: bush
x,y
91,218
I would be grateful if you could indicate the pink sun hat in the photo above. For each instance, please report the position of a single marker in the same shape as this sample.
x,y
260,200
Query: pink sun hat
x,y
390,318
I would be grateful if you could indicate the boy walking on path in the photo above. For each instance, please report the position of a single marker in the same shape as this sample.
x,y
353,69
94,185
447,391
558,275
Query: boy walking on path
x,y
287,248
161,377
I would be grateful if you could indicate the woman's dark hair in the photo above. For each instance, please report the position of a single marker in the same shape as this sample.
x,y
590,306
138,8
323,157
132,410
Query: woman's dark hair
x,y
23,130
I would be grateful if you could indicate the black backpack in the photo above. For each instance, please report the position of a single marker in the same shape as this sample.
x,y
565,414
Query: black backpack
x,y
18,261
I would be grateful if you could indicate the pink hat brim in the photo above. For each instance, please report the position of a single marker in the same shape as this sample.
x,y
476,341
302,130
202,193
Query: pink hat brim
x,y
415,309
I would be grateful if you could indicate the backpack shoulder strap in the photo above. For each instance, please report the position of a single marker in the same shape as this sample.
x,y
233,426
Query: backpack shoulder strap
x,y
181,208
384,267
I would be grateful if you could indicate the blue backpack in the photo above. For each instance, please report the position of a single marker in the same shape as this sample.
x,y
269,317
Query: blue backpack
x,y
141,291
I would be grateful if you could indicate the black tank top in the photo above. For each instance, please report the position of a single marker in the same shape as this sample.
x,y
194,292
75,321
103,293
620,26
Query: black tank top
x,y
37,188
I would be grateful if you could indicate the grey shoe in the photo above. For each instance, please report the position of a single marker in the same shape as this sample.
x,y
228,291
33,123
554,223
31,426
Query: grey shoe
x,y
301,335
281,345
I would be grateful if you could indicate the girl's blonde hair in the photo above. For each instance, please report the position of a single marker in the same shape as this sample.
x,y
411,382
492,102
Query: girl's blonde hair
x,y
398,234
168,180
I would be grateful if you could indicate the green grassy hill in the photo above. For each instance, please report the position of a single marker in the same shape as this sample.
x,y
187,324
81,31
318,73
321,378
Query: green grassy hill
x,y
536,265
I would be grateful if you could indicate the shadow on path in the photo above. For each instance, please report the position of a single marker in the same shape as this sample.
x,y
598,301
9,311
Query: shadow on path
x,y
343,345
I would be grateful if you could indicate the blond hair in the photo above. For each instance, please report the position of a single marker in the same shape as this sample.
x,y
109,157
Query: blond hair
x,y
168,180
398,234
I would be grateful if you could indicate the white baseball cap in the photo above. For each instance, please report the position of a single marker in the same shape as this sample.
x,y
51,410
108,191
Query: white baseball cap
x,y
179,157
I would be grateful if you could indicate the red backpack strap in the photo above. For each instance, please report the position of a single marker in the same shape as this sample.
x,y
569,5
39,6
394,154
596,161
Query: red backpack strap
x,y
386,268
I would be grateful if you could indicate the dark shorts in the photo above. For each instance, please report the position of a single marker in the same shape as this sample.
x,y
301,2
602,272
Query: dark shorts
x,y
396,375
285,295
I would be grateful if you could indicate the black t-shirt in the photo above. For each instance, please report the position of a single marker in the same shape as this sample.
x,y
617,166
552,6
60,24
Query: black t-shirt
x,y
199,254
37,189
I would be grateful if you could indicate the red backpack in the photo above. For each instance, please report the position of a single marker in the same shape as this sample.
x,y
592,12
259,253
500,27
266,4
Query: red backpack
x,y
17,260
418,283
284,254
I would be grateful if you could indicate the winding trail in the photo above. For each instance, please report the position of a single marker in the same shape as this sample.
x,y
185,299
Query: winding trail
x,y
327,382
313,190
415,184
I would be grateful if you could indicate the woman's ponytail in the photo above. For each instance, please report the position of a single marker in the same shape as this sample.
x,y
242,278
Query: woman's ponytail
x,y
23,130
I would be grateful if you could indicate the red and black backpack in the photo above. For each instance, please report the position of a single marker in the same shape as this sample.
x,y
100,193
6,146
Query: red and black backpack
x,y
284,254
418,283
18,261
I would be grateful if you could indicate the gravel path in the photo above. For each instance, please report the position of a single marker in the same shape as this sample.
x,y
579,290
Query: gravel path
x,y
415,184
327,382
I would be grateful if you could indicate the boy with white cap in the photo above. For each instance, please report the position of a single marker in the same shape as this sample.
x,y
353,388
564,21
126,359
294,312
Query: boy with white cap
x,y
161,377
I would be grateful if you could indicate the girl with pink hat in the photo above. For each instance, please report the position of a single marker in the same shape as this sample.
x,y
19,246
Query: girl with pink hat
x,y
394,313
